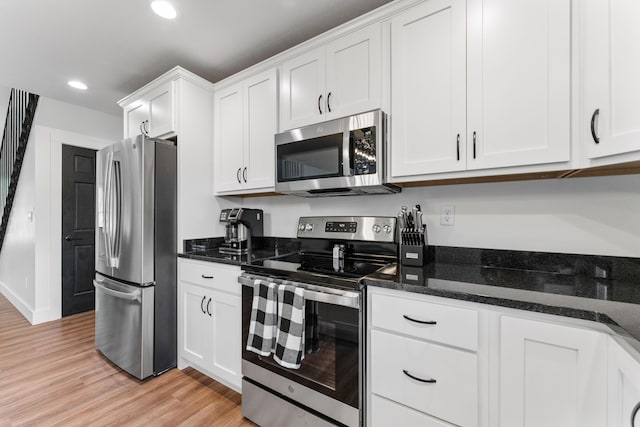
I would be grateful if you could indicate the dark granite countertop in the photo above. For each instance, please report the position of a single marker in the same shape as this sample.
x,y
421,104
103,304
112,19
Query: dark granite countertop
x,y
266,247
613,302
595,288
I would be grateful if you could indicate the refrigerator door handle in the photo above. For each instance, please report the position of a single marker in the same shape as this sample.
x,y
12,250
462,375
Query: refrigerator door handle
x,y
107,209
130,296
117,194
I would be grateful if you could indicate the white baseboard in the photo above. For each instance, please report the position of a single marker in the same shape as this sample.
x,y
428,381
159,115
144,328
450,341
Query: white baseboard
x,y
17,302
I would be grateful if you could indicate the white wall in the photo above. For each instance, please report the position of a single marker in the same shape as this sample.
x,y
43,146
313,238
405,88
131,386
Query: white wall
x,y
17,258
30,269
599,216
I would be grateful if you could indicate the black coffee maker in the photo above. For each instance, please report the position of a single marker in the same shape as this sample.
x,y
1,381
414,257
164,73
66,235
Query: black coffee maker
x,y
241,225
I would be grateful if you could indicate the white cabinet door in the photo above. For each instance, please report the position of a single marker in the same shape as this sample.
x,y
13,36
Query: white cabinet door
x,y
518,82
624,386
428,92
195,325
354,73
229,138
611,67
302,98
261,125
161,110
227,335
135,114
551,375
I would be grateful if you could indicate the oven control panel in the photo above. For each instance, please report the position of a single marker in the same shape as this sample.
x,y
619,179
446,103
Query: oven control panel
x,y
364,228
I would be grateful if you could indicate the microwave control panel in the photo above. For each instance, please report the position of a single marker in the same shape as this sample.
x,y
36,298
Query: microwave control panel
x,y
364,156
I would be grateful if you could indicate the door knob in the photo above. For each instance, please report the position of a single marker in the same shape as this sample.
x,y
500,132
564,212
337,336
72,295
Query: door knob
x,y
68,238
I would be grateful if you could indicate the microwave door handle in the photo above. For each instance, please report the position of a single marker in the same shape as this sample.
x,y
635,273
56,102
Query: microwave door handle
x,y
347,152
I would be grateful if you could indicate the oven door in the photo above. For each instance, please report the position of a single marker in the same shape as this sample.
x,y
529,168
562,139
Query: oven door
x,y
330,377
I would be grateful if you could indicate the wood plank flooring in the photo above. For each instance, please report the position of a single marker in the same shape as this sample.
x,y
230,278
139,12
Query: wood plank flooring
x,y
51,375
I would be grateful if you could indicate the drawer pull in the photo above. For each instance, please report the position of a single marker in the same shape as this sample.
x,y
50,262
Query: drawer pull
x,y
430,380
422,322
207,277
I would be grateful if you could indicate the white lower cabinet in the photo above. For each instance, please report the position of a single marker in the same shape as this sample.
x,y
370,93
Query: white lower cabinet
x,y
209,320
425,361
443,362
624,385
551,375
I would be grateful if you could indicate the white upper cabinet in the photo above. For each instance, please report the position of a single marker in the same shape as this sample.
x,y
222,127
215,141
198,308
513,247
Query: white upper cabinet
x,y
228,138
153,113
336,80
480,84
428,89
246,120
518,59
610,36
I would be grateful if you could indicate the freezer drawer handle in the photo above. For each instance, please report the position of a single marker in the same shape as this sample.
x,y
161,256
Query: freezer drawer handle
x,y
422,322
131,296
422,380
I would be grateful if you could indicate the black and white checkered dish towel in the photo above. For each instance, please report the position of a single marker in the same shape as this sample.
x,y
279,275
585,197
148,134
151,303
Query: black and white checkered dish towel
x,y
262,329
290,335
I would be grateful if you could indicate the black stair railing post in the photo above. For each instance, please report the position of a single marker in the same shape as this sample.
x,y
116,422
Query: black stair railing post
x,y
17,128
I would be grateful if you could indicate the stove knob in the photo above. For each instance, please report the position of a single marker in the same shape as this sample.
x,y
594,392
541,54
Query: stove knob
x,y
387,229
376,228
301,227
308,227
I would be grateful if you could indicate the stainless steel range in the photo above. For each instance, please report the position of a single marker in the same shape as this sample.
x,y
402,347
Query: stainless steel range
x,y
328,387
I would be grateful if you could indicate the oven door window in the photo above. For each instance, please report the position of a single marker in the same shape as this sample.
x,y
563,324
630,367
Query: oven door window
x,y
320,157
331,364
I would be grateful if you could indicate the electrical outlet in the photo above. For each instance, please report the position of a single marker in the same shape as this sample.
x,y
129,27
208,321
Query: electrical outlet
x,y
447,215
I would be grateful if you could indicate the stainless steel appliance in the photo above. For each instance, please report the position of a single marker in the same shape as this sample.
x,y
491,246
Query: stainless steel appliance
x,y
136,255
335,158
241,225
328,388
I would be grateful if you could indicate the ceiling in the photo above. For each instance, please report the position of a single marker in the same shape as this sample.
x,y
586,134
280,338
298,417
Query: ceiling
x,y
117,46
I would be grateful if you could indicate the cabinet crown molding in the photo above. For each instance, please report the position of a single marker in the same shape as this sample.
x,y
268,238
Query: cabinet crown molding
x,y
175,73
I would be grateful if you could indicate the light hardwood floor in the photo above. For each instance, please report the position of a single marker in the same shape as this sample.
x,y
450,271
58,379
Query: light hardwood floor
x,y
51,374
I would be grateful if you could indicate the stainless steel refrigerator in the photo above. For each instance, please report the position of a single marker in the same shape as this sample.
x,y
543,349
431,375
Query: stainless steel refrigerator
x,y
135,283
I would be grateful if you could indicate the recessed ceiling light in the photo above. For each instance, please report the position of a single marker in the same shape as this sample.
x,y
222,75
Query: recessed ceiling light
x,y
164,9
77,85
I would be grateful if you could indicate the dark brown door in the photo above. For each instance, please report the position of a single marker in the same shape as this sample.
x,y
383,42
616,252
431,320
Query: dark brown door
x,y
78,224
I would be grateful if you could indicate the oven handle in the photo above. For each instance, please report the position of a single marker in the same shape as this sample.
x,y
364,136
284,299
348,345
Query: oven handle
x,y
311,292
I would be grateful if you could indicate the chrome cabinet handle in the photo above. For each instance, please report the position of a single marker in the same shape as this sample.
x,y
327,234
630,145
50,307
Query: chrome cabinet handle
x,y
244,174
422,322
594,135
458,147
202,304
474,144
319,101
207,277
329,102
238,176
208,304
422,380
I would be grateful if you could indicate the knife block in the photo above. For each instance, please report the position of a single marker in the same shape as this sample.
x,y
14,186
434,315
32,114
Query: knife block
x,y
413,247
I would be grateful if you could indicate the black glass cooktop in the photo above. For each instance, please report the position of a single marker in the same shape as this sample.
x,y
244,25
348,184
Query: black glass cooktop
x,y
320,268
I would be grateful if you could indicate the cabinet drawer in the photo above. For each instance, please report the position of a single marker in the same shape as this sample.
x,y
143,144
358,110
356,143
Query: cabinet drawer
x,y
213,276
386,413
454,325
454,395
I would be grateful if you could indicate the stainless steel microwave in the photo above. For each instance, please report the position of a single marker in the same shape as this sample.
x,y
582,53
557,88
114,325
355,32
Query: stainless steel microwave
x,y
338,157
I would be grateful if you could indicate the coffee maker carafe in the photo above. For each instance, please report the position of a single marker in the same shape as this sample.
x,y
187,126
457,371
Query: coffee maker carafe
x,y
241,225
